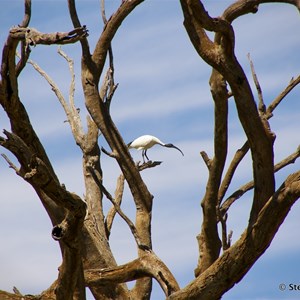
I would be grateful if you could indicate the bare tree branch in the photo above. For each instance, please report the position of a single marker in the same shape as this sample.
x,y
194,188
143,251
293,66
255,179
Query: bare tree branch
x,y
91,153
92,68
68,231
72,74
248,186
259,137
293,83
108,88
242,7
27,14
110,154
238,157
103,12
112,25
119,193
209,240
244,149
147,165
77,24
118,199
238,259
70,110
10,163
32,37
146,265
25,50
206,159
38,174
226,238
120,212
261,104
14,296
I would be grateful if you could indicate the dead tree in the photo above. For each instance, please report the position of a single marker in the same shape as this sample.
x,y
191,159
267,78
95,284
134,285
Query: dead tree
x,y
80,225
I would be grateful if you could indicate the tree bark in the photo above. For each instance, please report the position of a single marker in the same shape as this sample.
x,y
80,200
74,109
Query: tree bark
x,y
220,55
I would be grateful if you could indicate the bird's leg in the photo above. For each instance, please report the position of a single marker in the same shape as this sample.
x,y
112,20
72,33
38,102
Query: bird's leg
x,y
143,155
146,154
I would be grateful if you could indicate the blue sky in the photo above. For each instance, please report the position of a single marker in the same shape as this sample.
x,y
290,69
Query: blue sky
x,y
163,90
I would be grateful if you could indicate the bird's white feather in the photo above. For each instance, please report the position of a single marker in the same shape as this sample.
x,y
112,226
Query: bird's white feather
x,y
145,142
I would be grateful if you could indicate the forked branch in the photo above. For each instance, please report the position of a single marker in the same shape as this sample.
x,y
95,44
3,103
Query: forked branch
x,y
248,186
240,257
35,171
147,265
71,112
240,153
118,209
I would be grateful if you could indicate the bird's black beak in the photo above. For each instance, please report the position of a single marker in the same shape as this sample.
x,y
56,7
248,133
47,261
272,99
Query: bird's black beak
x,y
172,146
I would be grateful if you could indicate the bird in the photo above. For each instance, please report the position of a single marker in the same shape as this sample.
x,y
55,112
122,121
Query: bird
x,y
145,142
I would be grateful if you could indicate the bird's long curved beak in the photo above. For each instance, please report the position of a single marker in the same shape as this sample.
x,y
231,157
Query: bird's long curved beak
x,y
172,146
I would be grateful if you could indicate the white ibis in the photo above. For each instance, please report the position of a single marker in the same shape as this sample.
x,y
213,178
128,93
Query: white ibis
x,y
145,142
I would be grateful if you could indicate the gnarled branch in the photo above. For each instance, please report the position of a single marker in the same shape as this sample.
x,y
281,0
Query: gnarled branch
x,y
32,37
147,265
